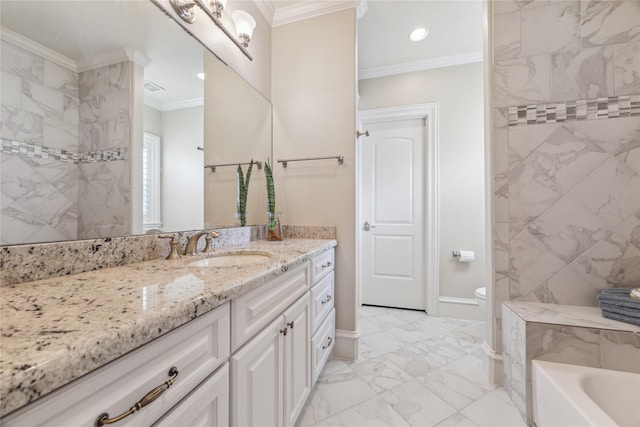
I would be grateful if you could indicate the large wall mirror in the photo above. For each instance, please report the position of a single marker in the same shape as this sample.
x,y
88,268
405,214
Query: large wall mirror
x,y
99,97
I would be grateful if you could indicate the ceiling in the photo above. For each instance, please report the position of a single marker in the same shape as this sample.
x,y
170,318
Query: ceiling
x,y
455,31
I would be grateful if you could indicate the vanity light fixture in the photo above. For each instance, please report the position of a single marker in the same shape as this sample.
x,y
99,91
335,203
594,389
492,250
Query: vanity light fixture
x,y
186,9
217,6
245,24
418,34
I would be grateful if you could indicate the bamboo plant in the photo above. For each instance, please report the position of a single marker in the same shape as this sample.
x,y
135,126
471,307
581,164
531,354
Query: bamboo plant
x,y
273,226
243,188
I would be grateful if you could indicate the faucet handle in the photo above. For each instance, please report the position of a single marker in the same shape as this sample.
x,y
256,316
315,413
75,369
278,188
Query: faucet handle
x,y
207,247
173,254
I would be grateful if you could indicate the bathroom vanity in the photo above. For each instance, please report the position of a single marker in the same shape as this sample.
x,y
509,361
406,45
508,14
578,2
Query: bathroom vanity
x,y
234,345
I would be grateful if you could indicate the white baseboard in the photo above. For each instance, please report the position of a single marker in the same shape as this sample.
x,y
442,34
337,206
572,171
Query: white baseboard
x,y
347,345
493,364
460,308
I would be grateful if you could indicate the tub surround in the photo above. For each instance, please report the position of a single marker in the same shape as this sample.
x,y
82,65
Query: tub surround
x,y
565,334
58,329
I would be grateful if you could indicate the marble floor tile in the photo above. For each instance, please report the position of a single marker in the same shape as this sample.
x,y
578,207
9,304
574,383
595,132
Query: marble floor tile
x,y
494,410
371,413
343,390
380,373
383,342
413,361
457,420
413,370
418,405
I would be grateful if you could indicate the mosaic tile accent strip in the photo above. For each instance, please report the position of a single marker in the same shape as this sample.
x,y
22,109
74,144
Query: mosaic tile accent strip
x,y
40,152
594,109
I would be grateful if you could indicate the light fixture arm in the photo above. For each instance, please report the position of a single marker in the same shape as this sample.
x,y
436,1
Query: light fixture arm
x,y
184,9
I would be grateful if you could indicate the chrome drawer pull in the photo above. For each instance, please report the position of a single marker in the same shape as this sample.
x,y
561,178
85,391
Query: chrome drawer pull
x,y
324,301
329,341
327,264
146,399
290,324
284,331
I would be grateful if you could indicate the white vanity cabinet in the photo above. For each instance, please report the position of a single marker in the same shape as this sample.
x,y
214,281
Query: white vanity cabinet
x,y
195,349
322,312
271,373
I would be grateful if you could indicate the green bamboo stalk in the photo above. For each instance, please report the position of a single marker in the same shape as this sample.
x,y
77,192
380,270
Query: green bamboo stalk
x,y
243,189
271,194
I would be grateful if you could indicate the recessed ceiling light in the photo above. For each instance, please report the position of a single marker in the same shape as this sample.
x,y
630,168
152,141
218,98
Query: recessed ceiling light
x,y
200,76
418,34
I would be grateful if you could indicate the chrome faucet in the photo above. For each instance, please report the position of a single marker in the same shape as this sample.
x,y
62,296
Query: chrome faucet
x,y
192,243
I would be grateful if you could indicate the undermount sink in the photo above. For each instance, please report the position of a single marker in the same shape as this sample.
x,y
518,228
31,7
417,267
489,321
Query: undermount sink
x,y
230,260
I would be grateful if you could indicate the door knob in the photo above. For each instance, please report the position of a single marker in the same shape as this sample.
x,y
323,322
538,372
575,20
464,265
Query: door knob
x,y
367,226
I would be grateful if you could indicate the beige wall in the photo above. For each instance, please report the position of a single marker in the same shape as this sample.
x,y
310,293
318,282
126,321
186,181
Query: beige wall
x,y
458,90
313,95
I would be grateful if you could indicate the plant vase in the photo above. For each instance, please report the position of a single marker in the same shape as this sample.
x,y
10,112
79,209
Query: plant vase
x,y
274,227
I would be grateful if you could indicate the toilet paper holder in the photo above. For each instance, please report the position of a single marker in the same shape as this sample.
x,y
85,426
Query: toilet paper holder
x,y
464,256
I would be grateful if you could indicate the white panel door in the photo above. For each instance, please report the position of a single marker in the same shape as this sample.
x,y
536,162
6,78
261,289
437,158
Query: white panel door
x,y
256,379
297,358
392,208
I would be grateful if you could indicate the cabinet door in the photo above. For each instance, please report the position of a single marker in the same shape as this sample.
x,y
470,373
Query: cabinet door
x,y
297,358
256,379
208,405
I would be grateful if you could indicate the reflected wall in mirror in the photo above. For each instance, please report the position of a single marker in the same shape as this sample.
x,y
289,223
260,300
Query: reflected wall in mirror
x,y
237,130
76,105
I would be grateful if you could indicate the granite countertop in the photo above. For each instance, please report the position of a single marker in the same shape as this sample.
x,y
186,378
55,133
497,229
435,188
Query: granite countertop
x,y
56,330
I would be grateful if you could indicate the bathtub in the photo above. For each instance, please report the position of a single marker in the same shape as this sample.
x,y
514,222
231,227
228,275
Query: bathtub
x,y
570,395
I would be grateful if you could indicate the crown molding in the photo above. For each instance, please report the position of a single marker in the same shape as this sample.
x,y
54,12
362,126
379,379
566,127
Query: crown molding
x,y
266,9
37,49
170,106
427,64
309,9
110,57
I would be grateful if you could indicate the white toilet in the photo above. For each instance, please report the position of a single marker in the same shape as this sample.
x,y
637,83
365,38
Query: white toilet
x,y
481,297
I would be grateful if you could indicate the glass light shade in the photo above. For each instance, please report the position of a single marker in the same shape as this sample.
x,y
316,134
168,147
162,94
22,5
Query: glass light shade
x,y
245,23
418,34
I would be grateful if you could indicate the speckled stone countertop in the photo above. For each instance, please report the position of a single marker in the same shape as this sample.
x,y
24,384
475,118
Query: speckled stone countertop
x,y
56,330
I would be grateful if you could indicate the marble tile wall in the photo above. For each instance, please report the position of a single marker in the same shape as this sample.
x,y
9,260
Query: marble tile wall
x,y
566,192
105,124
40,113
65,149
558,340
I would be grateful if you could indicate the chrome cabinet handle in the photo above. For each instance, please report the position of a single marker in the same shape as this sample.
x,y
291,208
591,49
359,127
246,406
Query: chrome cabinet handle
x,y
290,324
326,300
146,399
284,331
329,341
327,264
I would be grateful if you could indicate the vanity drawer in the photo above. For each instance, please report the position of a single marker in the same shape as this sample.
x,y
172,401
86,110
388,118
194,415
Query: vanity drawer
x,y
321,345
251,312
321,300
321,265
208,405
196,349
